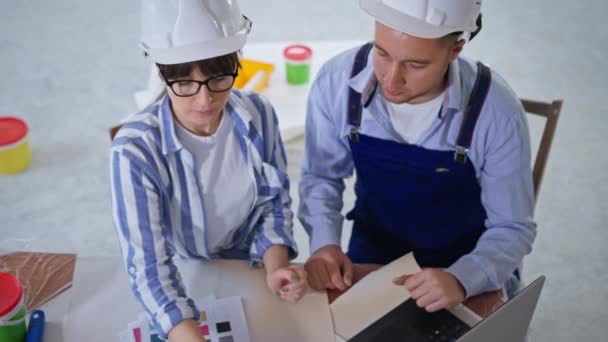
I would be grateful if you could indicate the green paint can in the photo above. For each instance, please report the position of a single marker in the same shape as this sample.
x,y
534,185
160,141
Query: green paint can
x,y
12,310
297,63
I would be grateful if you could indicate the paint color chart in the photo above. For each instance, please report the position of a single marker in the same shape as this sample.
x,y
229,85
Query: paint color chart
x,y
220,320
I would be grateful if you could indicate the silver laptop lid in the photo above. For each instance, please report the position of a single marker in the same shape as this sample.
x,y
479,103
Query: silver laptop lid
x,y
511,321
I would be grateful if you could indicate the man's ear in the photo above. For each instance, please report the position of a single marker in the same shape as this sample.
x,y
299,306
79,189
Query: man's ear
x,y
456,49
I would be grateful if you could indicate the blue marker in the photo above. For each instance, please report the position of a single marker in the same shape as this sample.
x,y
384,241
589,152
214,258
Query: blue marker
x,y
35,332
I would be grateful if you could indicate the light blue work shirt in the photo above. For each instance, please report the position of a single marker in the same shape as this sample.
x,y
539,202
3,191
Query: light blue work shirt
x,y
500,154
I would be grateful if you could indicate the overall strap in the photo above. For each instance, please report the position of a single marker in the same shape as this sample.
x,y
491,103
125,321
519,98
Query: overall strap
x,y
472,111
354,98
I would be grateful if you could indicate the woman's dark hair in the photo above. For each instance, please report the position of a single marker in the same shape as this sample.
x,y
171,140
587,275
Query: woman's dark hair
x,y
220,65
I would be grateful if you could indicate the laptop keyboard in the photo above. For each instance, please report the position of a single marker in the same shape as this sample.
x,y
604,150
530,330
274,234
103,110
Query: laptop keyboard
x,y
449,329
408,322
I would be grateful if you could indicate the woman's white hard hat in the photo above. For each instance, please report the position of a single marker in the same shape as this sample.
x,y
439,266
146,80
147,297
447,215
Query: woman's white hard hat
x,y
425,18
182,31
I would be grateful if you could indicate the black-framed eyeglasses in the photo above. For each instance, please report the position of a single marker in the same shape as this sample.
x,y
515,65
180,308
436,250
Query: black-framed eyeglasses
x,y
215,84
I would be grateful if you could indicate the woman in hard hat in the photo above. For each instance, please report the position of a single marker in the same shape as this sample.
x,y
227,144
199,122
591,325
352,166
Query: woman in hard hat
x,y
441,151
201,173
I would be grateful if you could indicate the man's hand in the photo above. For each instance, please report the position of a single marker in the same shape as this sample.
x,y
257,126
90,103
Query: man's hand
x,y
288,283
433,289
329,268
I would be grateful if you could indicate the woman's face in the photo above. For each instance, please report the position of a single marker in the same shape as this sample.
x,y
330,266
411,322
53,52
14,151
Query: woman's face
x,y
201,113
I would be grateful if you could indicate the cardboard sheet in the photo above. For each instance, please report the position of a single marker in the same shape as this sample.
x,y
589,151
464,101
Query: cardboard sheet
x,y
371,298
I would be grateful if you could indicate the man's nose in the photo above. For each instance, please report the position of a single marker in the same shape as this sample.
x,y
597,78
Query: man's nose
x,y
394,77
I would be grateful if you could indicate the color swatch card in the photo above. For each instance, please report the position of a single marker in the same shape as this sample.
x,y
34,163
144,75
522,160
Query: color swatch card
x,y
221,320
138,331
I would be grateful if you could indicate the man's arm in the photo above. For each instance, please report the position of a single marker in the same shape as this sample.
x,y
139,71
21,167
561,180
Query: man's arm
x,y
508,197
327,162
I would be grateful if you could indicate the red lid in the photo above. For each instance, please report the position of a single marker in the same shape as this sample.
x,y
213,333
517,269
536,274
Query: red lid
x,y
11,130
11,293
297,52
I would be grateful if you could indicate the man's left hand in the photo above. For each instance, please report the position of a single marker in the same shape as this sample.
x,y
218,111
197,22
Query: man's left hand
x,y
433,289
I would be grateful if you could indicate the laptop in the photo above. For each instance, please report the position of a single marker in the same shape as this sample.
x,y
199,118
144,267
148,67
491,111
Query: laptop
x,y
408,322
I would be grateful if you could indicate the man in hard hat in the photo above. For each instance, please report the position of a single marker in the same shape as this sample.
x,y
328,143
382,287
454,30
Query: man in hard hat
x,y
441,151
201,173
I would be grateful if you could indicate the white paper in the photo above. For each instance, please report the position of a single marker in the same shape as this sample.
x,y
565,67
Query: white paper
x,y
132,326
228,309
125,336
372,297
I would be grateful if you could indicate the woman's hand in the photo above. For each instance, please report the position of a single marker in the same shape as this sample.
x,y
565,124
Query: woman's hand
x,y
289,282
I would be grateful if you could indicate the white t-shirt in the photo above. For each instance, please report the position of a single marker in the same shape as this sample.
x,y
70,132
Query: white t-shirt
x,y
228,188
411,120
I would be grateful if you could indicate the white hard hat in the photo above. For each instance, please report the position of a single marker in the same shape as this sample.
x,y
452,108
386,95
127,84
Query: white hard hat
x,y
182,31
425,18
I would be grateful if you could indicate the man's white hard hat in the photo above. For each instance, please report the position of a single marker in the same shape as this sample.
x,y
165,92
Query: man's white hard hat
x,y
182,31
425,18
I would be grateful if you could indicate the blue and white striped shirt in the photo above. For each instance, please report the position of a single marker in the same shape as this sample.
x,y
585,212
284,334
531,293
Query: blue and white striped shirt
x,y
500,153
159,212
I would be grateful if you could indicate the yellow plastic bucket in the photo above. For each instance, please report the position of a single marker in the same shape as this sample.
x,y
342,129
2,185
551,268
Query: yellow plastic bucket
x,y
15,152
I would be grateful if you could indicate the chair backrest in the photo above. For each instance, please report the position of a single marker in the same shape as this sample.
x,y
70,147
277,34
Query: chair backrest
x,y
113,130
550,111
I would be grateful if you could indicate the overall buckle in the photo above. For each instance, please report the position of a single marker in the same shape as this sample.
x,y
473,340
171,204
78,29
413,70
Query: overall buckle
x,y
354,135
460,156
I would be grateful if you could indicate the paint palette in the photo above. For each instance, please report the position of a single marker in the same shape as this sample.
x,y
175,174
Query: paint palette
x,y
221,320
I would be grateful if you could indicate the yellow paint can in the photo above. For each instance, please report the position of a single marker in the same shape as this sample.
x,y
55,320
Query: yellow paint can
x,y
15,152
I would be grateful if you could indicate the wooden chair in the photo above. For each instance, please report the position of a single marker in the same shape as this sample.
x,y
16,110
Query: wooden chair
x,y
113,130
550,111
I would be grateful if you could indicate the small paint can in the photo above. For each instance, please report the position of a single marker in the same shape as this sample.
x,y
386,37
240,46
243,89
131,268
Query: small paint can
x,y
297,63
12,310
15,152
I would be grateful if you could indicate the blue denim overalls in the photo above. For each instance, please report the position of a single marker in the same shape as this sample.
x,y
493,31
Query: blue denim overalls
x,y
410,198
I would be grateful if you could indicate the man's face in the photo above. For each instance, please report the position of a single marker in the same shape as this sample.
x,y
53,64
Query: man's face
x,y
411,69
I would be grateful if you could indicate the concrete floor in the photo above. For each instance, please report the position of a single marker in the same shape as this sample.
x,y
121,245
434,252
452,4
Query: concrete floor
x,y
70,69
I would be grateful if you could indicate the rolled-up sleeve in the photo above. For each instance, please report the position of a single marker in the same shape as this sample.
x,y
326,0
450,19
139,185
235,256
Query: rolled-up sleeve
x,y
327,161
508,197
155,280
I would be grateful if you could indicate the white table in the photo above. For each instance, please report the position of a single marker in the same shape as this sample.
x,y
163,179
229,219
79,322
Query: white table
x,y
100,302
